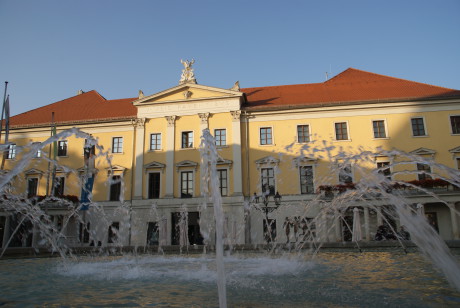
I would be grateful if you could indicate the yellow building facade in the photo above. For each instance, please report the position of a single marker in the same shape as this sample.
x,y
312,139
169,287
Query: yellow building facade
x,y
357,140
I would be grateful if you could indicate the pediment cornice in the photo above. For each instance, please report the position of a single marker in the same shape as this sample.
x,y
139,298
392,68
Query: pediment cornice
x,y
161,97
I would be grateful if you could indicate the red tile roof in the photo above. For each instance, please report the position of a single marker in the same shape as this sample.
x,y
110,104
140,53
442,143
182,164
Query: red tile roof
x,y
89,106
352,85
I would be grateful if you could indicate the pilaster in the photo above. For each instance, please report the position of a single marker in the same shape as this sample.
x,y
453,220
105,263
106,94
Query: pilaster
x,y
236,150
170,138
139,125
454,220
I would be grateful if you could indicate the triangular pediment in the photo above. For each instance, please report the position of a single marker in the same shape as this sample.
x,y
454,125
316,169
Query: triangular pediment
x,y
455,150
186,92
116,170
267,160
301,161
154,165
33,171
423,151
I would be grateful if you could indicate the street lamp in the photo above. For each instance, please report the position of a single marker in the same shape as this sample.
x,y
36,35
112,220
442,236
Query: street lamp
x,y
266,209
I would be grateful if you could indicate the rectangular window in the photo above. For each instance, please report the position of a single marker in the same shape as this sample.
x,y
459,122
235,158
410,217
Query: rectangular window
x,y
384,168
84,233
303,133
221,137
153,234
418,127
186,184
32,187
59,183
268,180
62,148
379,129
422,168
455,124
266,136
154,185
222,174
187,140
345,174
115,188
341,131
155,142
306,180
38,154
113,232
117,145
11,151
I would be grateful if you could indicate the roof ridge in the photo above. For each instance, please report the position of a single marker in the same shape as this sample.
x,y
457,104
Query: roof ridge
x,y
283,85
84,93
390,77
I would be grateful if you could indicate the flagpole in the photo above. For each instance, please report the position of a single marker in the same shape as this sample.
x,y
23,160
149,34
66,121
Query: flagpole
x,y
3,109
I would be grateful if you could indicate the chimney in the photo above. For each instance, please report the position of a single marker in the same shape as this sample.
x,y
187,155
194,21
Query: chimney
x,y
80,92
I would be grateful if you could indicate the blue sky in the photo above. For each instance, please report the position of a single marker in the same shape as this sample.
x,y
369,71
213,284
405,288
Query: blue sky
x,y
52,48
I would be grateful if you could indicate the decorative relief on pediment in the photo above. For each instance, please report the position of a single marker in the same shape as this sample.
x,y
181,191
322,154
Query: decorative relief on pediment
x,y
187,94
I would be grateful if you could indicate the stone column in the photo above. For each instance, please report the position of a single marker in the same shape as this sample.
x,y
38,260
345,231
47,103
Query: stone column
x,y
139,126
454,220
236,150
170,138
367,233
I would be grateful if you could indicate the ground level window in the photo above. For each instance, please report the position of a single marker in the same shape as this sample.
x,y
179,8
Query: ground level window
x,y
424,172
32,187
113,232
384,168
306,180
152,233
345,174
84,233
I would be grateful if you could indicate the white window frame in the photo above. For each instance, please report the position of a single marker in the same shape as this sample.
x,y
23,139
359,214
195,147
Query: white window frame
x,y
65,180
352,173
274,178
385,127
193,139
260,135
228,182
66,148
38,154
390,167
450,124
424,127
297,133
180,182
122,187
122,144
147,184
161,142
313,177
12,151
348,131
38,184
226,137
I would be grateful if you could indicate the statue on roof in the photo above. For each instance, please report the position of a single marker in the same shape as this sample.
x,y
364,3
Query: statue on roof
x,y
187,73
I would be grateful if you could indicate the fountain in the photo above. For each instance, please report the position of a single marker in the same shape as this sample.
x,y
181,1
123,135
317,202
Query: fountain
x,y
297,274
